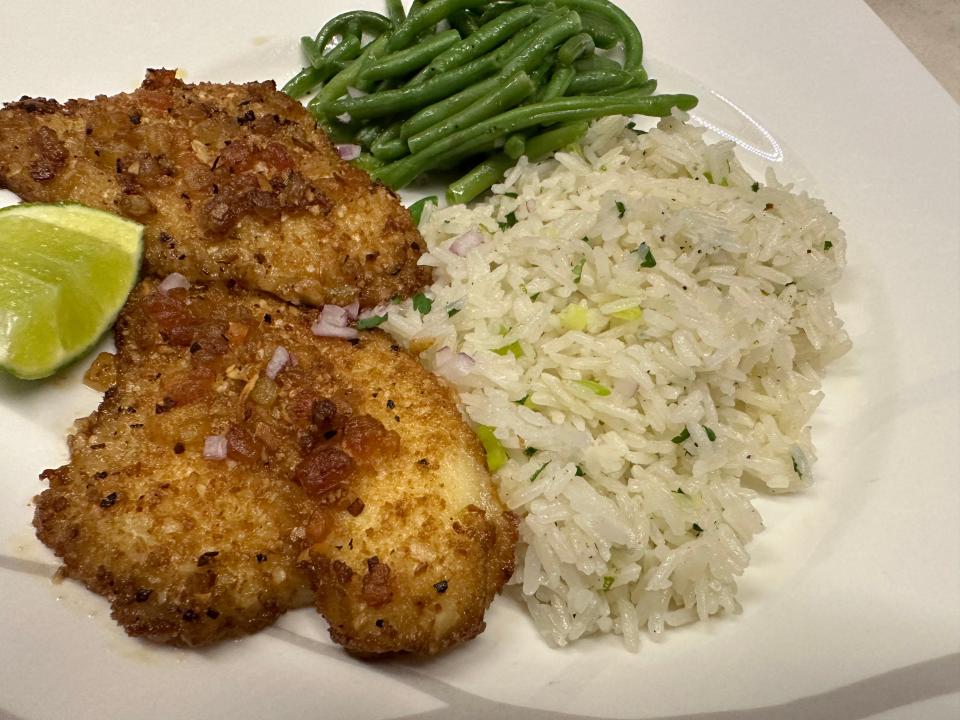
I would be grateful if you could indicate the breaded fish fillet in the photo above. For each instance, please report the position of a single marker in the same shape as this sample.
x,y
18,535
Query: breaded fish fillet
x,y
233,182
349,472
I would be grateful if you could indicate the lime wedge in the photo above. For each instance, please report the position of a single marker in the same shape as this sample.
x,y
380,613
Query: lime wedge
x,y
65,272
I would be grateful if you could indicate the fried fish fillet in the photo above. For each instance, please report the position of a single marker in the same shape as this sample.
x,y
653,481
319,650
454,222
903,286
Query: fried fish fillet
x,y
233,182
350,479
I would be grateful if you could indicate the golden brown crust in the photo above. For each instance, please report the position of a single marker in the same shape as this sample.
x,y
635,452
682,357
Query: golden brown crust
x,y
231,181
351,473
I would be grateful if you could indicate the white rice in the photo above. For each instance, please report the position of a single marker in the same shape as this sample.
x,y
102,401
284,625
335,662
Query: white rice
x,y
623,527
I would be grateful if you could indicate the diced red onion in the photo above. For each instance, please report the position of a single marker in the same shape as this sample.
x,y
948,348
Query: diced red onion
x,y
463,244
355,92
172,281
333,322
378,311
625,387
344,118
348,152
451,365
278,362
215,447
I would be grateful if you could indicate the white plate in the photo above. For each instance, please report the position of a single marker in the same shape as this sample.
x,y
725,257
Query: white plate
x,y
852,602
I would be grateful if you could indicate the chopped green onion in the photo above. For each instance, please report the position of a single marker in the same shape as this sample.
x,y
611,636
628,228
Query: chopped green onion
x,y
574,317
634,313
578,270
685,435
646,257
593,385
608,582
513,347
422,304
621,209
537,473
371,322
416,210
496,455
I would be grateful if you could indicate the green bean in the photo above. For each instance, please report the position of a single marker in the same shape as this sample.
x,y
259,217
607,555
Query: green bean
x,y
479,179
496,9
415,97
443,109
522,39
539,47
632,40
514,147
425,17
558,83
596,62
303,82
575,47
645,88
489,36
402,172
367,162
605,35
347,49
597,81
465,22
413,58
367,135
389,145
540,146
395,11
372,22
498,100
338,85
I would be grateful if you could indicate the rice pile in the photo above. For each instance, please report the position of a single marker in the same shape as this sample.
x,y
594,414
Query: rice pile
x,y
645,329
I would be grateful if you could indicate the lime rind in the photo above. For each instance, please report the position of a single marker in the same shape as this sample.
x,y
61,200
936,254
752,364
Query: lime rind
x,y
65,272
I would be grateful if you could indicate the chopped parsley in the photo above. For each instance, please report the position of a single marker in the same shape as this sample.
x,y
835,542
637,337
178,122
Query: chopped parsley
x,y
595,387
534,296
755,187
697,529
646,256
580,472
452,311
416,210
578,270
711,435
371,322
537,473
796,468
685,435
607,582
509,221
510,195
621,209
530,451
422,304
709,176
827,245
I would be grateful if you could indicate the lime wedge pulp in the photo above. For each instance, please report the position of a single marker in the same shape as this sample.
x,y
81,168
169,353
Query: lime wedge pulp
x,y
65,272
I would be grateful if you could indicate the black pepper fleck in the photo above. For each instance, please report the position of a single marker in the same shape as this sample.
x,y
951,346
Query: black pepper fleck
x,y
212,614
440,587
190,616
178,448
143,595
109,500
390,404
261,558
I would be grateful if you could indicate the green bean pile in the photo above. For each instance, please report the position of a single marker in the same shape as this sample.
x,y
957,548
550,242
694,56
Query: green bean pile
x,y
508,78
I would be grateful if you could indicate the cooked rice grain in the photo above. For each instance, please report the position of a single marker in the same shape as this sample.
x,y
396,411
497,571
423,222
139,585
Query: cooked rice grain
x,y
631,439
